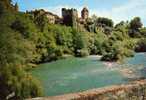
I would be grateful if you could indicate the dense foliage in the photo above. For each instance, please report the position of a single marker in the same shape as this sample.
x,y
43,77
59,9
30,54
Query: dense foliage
x,y
15,54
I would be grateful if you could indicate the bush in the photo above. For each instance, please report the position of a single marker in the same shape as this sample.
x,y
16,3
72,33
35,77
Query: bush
x,y
141,45
82,53
100,43
113,56
128,52
15,81
80,42
117,52
108,57
58,52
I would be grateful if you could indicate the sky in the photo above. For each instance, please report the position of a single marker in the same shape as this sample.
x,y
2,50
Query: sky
x,y
117,10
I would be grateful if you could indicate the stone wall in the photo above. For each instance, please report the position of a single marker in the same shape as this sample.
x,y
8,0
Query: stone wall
x,y
70,17
132,91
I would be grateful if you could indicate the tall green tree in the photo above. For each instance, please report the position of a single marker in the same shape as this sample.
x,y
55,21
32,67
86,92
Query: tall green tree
x,y
136,23
135,26
15,54
101,21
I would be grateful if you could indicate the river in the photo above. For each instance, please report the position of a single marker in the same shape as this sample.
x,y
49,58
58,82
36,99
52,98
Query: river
x,y
79,74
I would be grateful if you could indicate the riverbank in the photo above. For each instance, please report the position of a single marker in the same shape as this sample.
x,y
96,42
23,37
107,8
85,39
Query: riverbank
x,y
132,91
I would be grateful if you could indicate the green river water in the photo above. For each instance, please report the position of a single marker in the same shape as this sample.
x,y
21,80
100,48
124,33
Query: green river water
x,y
79,74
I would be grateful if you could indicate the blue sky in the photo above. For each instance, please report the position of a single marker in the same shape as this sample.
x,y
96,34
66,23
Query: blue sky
x,y
116,9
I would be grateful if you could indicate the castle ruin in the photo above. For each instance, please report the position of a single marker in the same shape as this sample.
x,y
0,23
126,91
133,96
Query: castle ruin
x,y
69,16
85,13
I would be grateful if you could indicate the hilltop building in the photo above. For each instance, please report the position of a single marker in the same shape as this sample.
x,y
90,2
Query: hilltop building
x,y
85,13
16,7
52,18
69,17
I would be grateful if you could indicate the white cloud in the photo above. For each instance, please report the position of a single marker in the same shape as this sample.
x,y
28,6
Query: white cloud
x,y
118,13
124,12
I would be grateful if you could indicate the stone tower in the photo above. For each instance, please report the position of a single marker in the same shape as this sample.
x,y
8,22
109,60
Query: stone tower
x,y
70,17
16,7
85,13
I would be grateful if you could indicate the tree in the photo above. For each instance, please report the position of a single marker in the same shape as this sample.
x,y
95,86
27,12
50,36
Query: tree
x,y
80,43
105,24
136,23
15,54
141,45
135,26
117,52
143,31
101,21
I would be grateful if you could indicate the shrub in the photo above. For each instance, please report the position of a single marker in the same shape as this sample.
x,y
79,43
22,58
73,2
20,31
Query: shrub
x,y
117,52
100,43
79,41
58,52
17,82
82,53
141,45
